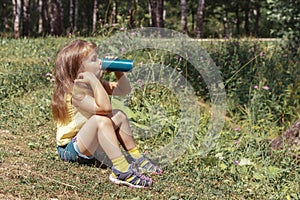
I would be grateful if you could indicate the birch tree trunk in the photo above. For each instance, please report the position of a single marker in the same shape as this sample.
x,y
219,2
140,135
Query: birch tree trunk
x,y
17,17
51,9
95,9
199,18
40,22
183,16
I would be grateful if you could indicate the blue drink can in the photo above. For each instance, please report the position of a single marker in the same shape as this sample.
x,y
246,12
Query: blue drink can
x,y
117,65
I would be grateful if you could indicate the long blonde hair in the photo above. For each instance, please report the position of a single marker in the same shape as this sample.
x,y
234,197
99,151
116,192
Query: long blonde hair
x,y
67,64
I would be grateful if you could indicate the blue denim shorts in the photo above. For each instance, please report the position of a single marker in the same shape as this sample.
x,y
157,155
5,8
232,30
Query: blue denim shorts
x,y
71,153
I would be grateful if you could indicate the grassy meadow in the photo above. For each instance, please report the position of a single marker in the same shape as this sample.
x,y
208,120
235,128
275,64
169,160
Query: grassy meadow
x,y
262,83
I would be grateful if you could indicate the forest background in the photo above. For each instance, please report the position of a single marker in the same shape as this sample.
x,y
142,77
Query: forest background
x,y
198,18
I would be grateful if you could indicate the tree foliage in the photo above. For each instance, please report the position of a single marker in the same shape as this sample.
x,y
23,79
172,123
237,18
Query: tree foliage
x,y
286,17
258,18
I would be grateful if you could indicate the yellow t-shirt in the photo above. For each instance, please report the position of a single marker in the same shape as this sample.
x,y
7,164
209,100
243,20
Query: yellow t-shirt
x,y
65,132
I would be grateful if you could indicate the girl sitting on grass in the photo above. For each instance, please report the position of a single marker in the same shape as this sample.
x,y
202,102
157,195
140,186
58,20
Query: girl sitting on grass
x,y
85,120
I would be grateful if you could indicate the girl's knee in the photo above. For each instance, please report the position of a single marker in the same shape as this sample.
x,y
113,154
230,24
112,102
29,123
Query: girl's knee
x,y
102,120
119,114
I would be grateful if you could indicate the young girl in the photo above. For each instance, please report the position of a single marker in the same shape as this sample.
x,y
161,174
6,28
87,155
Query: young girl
x,y
85,120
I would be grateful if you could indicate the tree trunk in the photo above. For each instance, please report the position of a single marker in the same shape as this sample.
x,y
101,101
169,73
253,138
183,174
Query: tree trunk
x,y
150,14
237,13
247,16
193,21
40,23
106,18
114,18
71,17
129,11
26,18
183,16
55,18
132,10
225,21
46,24
95,9
256,13
199,18
52,15
61,16
160,13
17,17
76,17
153,11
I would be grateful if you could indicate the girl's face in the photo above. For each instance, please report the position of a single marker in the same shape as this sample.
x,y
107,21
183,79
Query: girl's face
x,y
93,64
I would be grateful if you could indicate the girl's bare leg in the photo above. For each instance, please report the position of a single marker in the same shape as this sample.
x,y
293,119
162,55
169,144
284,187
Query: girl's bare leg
x,y
98,130
123,130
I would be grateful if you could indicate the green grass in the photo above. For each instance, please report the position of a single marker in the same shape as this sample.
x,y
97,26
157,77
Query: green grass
x,y
30,167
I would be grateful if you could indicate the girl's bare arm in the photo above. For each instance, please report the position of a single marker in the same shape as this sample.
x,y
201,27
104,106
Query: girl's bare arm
x,y
119,88
98,101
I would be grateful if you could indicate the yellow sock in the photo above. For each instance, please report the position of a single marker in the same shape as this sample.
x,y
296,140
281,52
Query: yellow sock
x,y
120,163
135,153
